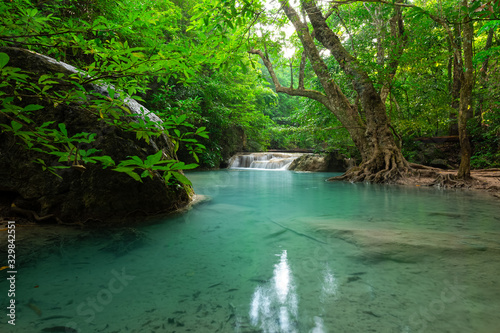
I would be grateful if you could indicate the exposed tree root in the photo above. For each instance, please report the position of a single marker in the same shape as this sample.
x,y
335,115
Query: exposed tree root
x,y
447,180
421,175
381,168
30,213
452,181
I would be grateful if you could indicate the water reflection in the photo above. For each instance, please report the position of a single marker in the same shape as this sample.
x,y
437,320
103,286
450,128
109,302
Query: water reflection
x,y
319,325
329,288
274,306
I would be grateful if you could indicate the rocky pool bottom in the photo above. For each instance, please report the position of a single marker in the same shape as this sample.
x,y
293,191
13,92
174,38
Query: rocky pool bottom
x,y
273,251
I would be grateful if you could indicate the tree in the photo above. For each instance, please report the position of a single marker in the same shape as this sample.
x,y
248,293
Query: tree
x,y
461,39
366,121
465,107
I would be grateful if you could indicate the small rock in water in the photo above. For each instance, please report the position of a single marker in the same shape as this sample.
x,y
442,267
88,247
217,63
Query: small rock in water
x,y
353,278
215,285
451,215
371,314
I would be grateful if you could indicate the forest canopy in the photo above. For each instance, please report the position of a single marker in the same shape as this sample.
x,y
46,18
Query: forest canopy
x,y
251,75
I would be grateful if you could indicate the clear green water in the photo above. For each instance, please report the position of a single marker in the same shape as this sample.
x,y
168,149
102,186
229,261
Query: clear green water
x,y
278,251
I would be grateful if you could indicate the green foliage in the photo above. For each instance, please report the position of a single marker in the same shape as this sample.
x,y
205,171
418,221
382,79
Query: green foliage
x,y
225,104
55,140
125,47
152,164
486,140
315,127
419,102
186,61
492,52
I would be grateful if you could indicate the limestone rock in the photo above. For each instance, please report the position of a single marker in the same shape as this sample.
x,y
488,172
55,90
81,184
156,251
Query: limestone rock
x,y
439,163
333,162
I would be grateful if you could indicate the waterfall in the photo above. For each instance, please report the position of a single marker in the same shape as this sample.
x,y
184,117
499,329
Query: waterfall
x,y
275,161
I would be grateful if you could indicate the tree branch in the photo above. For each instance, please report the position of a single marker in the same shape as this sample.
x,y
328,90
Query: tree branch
x,y
303,59
347,2
332,42
399,41
313,94
336,99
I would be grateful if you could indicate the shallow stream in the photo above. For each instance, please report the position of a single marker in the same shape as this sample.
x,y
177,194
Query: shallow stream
x,y
279,251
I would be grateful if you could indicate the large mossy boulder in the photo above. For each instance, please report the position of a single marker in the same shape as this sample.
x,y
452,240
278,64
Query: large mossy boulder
x,y
81,194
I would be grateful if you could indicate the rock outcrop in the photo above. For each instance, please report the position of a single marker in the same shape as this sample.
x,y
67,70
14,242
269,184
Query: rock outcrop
x,y
332,162
96,194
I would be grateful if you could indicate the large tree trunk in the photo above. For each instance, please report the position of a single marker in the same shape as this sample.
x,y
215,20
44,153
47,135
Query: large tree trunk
x,y
464,62
456,84
466,99
382,160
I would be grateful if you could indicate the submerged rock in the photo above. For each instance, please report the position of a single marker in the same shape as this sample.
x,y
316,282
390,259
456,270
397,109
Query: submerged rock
x,y
96,194
400,245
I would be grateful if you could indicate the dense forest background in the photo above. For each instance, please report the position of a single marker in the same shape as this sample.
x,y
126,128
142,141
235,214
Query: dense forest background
x,y
189,62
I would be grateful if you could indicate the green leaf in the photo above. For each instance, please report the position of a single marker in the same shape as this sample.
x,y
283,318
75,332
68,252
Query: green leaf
x,y
180,177
167,176
128,171
153,159
189,166
180,119
146,173
32,107
4,59
15,125
488,25
196,158
105,160
62,127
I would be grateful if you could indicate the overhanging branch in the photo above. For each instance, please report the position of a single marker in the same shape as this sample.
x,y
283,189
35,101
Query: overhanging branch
x,y
313,94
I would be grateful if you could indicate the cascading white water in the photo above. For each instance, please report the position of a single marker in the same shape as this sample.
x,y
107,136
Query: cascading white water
x,y
275,161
